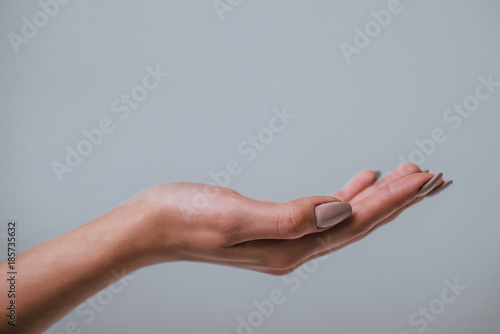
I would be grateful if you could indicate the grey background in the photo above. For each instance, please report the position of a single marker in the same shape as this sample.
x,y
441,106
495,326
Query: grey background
x,y
225,78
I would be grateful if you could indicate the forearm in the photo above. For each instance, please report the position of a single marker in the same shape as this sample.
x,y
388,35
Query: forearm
x,y
58,275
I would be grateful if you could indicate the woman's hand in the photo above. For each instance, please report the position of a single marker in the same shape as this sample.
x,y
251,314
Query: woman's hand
x,y
205,223
196,222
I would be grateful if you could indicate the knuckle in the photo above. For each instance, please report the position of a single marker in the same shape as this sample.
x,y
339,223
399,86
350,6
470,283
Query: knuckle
x,y
291,223
397,202
358,226
408,168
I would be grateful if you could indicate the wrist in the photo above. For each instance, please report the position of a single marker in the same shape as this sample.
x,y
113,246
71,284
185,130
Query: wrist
x,y
141,226
123,230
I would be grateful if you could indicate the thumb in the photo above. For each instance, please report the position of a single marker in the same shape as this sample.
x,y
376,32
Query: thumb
x,y
325,211
290,220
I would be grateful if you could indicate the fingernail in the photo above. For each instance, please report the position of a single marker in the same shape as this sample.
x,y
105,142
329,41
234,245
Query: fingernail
x,y
427,187
329,214
437,190
425,171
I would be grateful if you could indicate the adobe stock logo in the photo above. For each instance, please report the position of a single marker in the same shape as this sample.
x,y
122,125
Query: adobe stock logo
x,y
90,309
31,27
372,29
421,320
224,6
455,116
249,149
122,107
265,309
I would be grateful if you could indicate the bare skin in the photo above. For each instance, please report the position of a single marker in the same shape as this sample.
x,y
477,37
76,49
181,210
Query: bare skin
x,y
196,222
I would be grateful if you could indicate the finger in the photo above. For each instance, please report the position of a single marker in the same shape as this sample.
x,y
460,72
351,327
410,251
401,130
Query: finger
x,y
400,172
359,183
291,220
322,251
386,201
279,257
366,215
287,256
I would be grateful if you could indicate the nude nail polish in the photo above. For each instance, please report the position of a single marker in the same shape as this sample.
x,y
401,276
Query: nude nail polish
x,y
437,190
427,187
329,214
